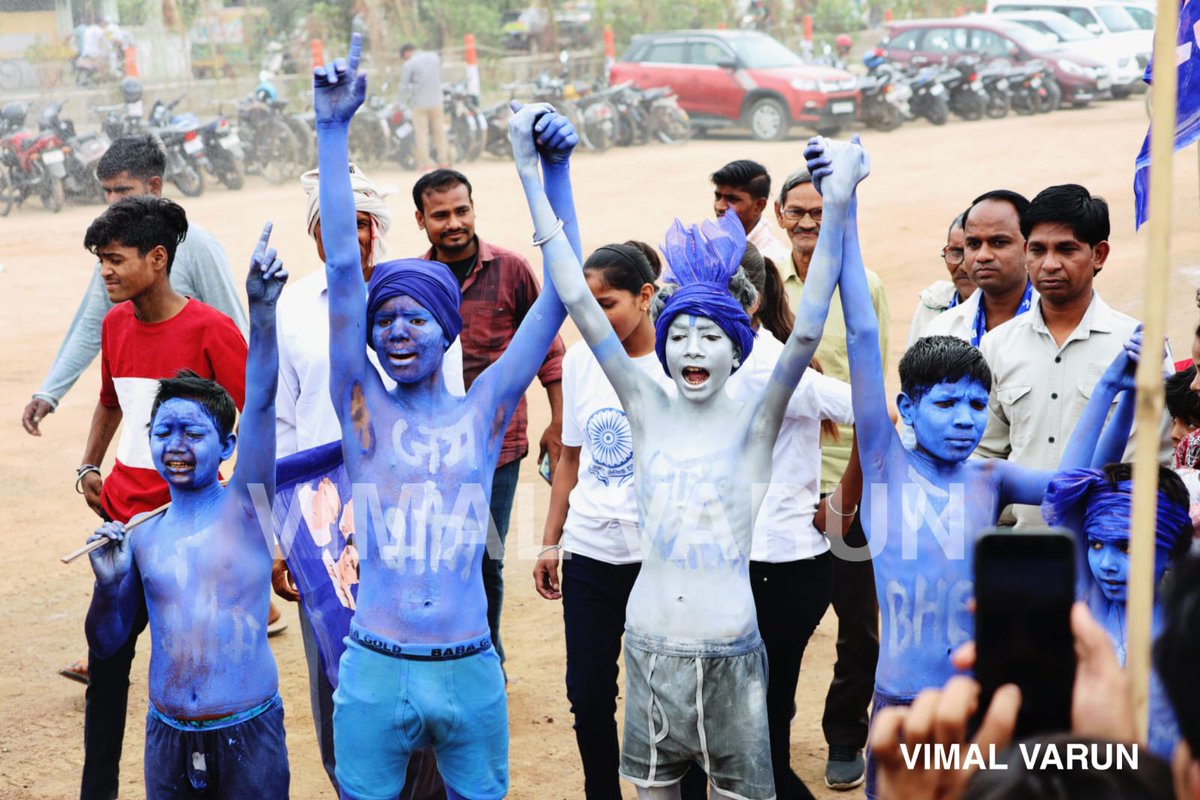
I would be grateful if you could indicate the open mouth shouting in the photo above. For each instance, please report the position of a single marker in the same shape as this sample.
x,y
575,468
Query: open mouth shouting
x,y
401,359
694,376
178,467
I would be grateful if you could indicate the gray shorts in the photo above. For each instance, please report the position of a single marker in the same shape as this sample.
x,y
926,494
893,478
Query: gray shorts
x,y
697,702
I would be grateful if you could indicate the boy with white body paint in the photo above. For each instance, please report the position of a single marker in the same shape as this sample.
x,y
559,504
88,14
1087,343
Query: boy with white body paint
x,y
695,673
919,522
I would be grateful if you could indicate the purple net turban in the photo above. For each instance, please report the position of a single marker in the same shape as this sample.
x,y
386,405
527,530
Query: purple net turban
x,y
430,283
1105,509
702,259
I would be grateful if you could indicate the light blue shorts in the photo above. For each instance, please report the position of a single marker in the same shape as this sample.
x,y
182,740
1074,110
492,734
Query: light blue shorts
x,y
393,699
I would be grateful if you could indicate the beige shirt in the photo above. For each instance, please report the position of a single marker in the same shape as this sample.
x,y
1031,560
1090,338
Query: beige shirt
x,y
835,361
933,301
1039,389
959,321
761,237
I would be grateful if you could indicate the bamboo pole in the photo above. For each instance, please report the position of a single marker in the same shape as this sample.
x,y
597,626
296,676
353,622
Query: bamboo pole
x,y
1149,374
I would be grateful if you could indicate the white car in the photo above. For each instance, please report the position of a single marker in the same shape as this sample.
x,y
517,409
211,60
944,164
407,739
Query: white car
x,y
1119,54
1145,14
1098,16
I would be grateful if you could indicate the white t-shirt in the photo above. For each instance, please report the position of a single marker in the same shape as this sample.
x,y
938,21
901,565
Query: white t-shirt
x,y
784,529
602,521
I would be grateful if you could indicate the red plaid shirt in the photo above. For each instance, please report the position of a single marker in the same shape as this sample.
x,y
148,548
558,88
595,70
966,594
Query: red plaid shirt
x,y
495,298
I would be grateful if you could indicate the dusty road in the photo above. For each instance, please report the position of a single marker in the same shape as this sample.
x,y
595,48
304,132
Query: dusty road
x,y
922,176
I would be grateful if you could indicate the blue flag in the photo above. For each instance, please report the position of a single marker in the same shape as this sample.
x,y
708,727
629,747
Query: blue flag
x,y
313,516
1187,115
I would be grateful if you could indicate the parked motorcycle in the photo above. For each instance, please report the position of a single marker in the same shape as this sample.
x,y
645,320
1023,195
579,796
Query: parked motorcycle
x,y
929,95
32,162
271,148
885,95
964,91
81,153
995,83
180,135
225,154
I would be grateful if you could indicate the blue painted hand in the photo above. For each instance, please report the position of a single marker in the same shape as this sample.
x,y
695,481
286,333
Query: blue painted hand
x,y
556,138
338,88
266,277
112,562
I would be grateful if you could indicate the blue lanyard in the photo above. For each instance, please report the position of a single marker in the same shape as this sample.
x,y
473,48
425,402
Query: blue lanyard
x,y
981,319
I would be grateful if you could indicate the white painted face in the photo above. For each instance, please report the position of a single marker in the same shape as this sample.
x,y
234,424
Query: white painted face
x,y
700,356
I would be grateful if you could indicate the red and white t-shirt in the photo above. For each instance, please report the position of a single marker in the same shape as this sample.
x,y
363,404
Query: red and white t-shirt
x,y
134,356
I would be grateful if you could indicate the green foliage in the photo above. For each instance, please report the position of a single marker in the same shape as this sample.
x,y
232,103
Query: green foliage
x,y
630,17
331,23
445,23
131,12
835,16
285,14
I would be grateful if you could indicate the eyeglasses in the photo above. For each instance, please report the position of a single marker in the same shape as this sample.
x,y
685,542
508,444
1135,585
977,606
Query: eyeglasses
x,y
953,255
796,214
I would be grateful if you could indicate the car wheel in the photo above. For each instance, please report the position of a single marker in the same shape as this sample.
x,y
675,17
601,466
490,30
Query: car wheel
x,y
768,120
1121,92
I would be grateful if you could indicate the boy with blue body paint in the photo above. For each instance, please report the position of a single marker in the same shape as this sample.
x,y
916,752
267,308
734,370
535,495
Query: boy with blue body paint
x,y
922,509
419,667
215,722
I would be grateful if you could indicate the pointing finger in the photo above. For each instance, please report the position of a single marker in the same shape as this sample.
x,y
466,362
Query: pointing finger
x,y
355,51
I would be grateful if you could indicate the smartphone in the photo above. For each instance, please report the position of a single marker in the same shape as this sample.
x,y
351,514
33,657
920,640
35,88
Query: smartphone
x,y
544,468
1024,589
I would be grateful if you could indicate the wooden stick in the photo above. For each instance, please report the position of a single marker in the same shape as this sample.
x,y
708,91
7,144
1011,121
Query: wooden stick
x,y
96,545
1139,606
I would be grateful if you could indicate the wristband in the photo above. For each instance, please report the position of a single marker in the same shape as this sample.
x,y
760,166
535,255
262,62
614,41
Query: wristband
x,y
545,550
79,473
539,241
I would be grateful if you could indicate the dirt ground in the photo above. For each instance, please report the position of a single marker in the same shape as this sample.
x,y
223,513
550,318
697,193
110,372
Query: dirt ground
x,y
922,176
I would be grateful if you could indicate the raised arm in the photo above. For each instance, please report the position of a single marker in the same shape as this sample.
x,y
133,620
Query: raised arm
x,y
837,168
562,265
1091,440
256,453
338,91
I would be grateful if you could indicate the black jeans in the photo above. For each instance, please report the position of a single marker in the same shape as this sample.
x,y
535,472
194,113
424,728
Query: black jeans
x,y
594,597
504,489
107,702
857,609
790,598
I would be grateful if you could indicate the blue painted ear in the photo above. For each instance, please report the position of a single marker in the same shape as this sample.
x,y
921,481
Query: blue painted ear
x,y
907,408
228,446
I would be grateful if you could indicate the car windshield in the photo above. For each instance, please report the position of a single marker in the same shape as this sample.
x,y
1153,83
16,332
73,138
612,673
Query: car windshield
x,y
1062,29
763,52
1116,19
1031,39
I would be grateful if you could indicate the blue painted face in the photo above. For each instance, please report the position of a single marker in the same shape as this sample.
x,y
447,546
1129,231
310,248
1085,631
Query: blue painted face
x,y
949,419
700,356
185,444
1109,561
408,340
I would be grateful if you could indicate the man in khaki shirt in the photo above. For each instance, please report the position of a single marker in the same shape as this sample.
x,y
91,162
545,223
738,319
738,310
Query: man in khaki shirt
x,y
798,212
1045,363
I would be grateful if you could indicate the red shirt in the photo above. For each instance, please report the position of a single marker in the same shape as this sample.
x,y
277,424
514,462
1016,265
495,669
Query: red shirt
x,y
496,296
134,355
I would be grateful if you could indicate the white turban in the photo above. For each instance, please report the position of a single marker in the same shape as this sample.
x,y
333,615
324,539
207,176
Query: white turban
x,y
367,197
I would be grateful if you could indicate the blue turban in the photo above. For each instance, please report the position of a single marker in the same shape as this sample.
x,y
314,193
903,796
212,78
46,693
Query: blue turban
x,y
1090,493
702,259
430,283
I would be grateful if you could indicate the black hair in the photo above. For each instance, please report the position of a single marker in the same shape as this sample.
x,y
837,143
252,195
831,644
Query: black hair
x,y
1017,200
439,180
1072,205
141,155
627,267
1177,650
1170,485
749,176
773,313
1182,402
941,359
1149,780
798,177
210,395
958,223
407,47
141,222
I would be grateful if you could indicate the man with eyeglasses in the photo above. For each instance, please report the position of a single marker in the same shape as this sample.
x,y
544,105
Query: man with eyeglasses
x,y
995,259
942,295
798,212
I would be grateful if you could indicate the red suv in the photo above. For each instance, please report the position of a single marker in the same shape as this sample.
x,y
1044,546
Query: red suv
x,y
728,77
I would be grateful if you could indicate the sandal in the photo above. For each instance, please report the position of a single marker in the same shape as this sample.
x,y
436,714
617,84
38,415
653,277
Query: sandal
x,y
76,671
